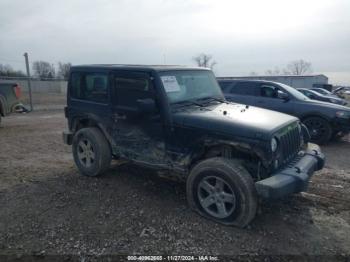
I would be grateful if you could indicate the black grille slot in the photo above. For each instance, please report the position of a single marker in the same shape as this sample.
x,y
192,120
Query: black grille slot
x,y
290,143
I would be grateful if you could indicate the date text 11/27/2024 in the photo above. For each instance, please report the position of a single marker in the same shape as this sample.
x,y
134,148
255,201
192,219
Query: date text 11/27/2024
x,y
172,258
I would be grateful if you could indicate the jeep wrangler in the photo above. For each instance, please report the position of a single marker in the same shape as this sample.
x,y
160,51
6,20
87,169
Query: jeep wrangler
x,y
176,121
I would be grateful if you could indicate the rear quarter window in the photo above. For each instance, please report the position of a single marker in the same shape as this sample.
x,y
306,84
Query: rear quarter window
x,y
89,86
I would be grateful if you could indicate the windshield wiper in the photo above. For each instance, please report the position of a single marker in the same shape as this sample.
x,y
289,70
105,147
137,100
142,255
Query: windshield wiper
x,y
188,103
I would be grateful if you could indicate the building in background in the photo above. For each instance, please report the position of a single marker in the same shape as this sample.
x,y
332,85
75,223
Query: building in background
x,y
296,81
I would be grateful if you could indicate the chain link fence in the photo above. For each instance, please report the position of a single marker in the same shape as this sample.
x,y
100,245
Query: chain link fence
x,y
47,94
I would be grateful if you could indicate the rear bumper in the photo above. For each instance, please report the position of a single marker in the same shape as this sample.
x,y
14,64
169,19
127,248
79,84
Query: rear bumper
x,y
294,178
67,137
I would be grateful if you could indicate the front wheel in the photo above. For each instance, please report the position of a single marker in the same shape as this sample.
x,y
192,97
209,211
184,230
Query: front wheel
x,y
222,190
91,151
320,130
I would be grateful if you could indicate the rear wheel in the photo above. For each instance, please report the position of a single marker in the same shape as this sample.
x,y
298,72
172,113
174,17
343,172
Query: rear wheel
x,y
222,190
319,129
91,151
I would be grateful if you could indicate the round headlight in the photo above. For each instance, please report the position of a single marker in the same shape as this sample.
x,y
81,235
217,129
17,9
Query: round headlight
x,y
274,144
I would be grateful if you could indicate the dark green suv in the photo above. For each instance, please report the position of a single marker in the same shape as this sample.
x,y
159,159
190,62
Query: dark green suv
x,y
175,120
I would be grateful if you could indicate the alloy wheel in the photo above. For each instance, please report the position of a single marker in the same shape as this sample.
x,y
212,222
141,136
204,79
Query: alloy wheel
x,y
216,197
86,153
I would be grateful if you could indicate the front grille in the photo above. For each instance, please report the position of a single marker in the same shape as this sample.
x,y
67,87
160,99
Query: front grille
x,y
290,141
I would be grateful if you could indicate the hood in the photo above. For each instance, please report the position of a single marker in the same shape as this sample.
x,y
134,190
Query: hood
x,y
234,119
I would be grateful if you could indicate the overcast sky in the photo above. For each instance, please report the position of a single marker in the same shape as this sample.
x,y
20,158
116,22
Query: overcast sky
x,y
242,35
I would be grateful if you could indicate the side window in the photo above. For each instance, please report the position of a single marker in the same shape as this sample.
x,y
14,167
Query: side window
x,y
268,91
130,88
245,88
226,86
90,86
308,94
303,92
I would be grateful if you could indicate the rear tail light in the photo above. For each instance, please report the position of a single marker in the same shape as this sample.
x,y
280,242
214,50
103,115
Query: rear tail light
x,y
18,91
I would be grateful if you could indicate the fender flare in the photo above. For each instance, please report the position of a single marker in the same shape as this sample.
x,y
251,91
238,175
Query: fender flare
x,y
92,120
243,147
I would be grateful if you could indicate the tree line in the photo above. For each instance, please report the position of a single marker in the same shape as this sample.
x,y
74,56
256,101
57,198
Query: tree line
x,y
45,70
296,67
40,69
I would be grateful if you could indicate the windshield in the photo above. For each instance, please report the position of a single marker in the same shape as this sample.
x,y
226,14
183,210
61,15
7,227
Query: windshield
x,y
189,85
295,93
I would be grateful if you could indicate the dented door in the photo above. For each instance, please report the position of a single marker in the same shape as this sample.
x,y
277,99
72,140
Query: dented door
x,y
137,136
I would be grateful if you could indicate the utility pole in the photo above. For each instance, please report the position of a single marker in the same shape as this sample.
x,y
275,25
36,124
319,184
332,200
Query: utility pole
x,y
28,78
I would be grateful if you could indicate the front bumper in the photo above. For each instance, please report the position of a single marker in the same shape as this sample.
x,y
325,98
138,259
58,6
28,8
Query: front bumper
x,y
294,178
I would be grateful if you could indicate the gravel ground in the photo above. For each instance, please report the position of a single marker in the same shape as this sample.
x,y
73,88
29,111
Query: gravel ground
x,y
48,208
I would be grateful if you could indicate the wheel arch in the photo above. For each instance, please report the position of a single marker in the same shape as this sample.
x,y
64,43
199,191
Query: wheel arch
x,y
228,149
90,121
315,114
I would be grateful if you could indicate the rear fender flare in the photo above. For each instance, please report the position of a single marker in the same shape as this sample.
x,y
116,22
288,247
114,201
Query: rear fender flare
x,y
90,121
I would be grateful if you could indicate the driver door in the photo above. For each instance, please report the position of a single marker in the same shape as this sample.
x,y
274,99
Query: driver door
x,y
138,136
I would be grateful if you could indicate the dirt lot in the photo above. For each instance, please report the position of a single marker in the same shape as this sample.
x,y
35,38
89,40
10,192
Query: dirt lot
x,y
46,207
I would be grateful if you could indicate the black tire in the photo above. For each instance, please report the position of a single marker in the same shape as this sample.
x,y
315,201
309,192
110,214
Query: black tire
x,y
236,178
101,151
320,130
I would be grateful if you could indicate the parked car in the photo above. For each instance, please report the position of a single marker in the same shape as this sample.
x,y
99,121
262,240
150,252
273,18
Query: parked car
x,y
324,120
342,92
10,94
175,120
317,96
323,91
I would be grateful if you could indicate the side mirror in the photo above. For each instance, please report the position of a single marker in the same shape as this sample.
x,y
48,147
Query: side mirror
x,y
146,106
283,95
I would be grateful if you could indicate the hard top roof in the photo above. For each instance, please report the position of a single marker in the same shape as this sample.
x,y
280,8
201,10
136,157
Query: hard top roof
x,y
247,80
138,67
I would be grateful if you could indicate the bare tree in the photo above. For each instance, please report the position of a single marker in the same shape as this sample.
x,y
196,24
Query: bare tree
x,y
63,70
272,72
43,69
7,70
253,73
204,60
299,67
